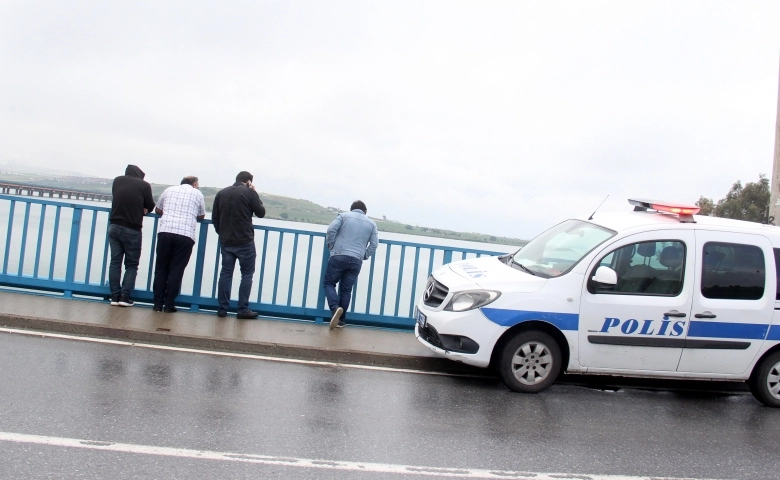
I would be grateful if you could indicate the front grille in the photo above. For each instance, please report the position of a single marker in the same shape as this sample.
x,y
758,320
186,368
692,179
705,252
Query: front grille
x,y
430,335
435,293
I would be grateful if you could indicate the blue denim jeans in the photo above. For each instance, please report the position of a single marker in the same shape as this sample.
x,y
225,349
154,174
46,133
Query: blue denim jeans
x,y
246,255
344,270
125,244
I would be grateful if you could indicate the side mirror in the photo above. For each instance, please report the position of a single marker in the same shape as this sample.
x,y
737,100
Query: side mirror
x,y
605,276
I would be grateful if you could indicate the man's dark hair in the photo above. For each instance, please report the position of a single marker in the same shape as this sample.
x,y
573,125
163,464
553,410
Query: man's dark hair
x,y
244,176
358,204
189,180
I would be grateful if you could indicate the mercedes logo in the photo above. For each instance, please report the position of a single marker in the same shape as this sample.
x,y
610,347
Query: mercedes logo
x,y
428,291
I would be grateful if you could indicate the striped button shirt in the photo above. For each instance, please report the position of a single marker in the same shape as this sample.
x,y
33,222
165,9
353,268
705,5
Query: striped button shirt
x,y
181,205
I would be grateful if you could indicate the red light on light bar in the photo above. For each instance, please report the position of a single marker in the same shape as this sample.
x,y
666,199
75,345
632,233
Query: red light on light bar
x,y
680,210
685,212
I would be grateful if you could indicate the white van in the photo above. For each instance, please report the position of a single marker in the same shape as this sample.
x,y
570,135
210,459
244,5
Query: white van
x,y
654,293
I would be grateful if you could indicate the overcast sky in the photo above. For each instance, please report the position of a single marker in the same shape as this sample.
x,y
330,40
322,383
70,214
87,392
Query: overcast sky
x,y
497,117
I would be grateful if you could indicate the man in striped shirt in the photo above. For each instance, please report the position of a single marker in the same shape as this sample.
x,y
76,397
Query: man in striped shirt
x,y
181,207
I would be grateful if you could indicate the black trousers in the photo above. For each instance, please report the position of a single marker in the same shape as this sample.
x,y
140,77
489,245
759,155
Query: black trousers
x,y
173,255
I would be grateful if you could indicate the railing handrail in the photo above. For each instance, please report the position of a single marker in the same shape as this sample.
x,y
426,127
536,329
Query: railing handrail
x,y
256,227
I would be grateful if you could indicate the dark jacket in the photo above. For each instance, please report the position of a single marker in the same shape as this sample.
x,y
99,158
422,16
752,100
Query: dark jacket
x,y
232,214
131,196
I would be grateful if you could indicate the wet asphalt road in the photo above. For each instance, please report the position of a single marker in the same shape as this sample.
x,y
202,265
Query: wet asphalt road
x,y
73,389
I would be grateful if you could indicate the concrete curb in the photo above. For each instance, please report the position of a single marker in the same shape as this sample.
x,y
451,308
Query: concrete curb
x,y
427,364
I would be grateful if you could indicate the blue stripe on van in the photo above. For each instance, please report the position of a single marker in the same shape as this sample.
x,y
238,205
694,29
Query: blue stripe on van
x,y
774,333
750,331
508,318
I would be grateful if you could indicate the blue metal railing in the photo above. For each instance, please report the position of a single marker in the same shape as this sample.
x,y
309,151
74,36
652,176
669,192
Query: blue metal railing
x,y
59,246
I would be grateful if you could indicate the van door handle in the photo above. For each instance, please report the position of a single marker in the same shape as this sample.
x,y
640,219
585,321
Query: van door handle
x,y
705,315
674,313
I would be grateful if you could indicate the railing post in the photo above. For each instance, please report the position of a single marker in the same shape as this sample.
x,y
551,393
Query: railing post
x,y
25,226
447,257
73,249
152,252
8,237
323,269
200,258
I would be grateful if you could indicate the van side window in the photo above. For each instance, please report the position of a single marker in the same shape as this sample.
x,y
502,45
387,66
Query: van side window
x,y
645,268
732,271
777,272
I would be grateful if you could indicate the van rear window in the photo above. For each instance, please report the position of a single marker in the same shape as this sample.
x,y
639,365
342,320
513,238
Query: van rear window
x,y
733,271
777,272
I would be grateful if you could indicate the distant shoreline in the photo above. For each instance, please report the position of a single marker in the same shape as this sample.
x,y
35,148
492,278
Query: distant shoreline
x,y
277,206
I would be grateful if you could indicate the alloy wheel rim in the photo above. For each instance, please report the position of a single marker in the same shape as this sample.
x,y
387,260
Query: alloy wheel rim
x,y
531,363
773,381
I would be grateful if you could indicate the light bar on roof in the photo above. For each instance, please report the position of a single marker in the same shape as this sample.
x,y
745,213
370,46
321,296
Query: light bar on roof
x,y
686,212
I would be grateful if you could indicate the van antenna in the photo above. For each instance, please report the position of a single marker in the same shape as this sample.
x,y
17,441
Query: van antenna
x,y
597,208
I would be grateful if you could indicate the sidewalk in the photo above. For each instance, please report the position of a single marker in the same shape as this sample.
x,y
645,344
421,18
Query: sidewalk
x,y
263,336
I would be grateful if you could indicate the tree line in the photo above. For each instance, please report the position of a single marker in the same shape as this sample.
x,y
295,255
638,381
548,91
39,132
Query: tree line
x,y
749,202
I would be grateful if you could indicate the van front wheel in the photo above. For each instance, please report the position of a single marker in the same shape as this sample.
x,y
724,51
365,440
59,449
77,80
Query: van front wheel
x,y
765,381
530,362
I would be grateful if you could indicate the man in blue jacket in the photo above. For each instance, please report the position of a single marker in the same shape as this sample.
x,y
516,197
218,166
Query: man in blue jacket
x,y
351,238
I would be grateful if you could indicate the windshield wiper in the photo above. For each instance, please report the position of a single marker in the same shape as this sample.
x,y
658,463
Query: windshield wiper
x,y
525,269
506,259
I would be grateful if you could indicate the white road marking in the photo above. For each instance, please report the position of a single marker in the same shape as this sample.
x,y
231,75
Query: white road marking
x,y
293,462
227,354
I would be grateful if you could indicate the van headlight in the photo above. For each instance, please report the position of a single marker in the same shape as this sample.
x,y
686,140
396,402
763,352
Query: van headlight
x,y
463,301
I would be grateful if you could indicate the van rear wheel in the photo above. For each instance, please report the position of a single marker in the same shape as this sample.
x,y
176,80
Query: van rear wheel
x,y
765,381
530,362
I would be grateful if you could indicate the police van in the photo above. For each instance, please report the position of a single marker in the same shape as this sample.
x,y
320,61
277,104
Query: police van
x,y
656,292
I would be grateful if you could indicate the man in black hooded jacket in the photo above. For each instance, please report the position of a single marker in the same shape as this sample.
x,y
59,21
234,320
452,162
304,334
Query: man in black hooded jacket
x,y
132,199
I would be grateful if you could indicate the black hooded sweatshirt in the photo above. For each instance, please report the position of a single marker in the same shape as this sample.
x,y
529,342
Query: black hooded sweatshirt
x,y
131,195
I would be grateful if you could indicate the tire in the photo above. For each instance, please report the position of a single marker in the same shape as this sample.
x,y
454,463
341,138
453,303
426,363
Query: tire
x,y
765,381
530,362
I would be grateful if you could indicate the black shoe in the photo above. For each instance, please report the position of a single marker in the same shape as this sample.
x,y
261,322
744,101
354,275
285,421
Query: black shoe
x,y
222,313
157,309
124,301
171,310
341,324
115,300
247,315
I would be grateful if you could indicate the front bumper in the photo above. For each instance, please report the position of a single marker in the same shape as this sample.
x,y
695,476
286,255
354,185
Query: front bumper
x,y
426,341
466,337
450,343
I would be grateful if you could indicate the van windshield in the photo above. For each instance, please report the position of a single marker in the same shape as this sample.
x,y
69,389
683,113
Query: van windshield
x,y
557,250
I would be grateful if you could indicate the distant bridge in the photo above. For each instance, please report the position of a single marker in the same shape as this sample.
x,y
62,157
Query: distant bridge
x,y
51,192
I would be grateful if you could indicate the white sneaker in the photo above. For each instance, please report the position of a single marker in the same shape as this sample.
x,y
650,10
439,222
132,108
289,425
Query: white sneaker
x,y
125,301
334,320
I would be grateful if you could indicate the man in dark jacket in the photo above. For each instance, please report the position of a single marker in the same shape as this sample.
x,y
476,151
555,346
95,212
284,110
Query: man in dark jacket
x,y
132,199
232,219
